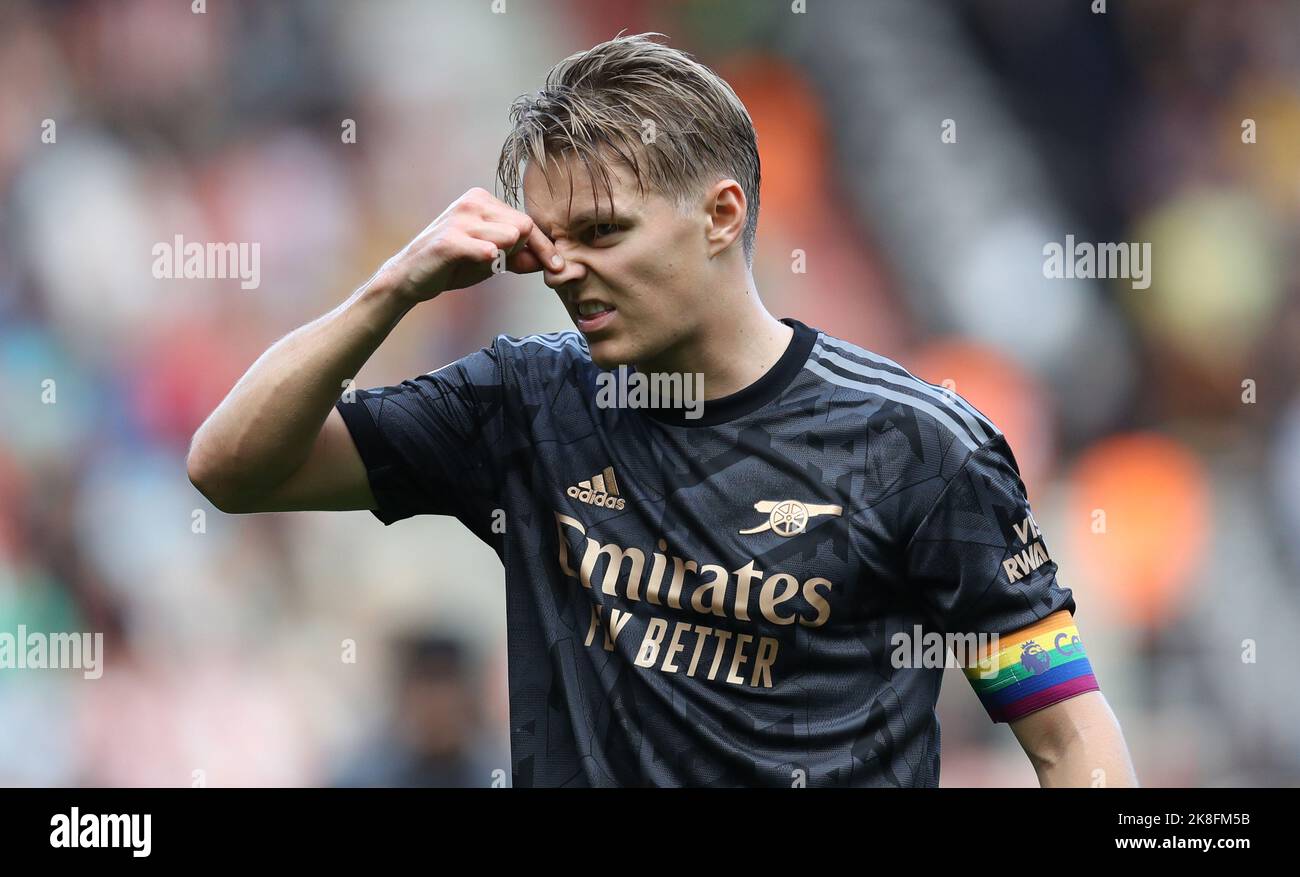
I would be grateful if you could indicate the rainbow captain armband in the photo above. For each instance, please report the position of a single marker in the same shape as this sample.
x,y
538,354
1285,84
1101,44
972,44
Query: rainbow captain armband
x,y
1032,668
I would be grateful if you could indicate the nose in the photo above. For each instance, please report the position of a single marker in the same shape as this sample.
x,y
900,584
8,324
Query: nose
x,y
572,271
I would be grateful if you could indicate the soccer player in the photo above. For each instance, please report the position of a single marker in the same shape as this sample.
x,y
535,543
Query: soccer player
x,y
742,587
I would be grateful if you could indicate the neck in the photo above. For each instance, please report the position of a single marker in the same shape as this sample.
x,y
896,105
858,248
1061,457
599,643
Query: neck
x,y
737,343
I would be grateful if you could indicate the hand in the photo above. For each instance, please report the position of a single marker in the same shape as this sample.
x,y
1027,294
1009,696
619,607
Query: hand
x,y
459,248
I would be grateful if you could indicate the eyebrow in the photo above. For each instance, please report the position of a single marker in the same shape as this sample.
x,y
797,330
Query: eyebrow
x,y
585,216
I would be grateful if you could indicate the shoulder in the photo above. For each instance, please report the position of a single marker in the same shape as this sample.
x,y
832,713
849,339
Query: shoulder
x,y
884,394
563,343
920,438
554,348
544,360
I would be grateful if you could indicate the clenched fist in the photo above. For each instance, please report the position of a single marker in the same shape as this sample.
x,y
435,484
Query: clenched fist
x,y
458,248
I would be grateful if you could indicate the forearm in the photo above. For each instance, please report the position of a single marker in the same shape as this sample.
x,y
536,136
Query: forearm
x,y
264,448
263,430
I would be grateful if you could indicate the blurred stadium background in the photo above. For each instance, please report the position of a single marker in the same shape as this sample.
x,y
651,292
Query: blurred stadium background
x,y
1174,410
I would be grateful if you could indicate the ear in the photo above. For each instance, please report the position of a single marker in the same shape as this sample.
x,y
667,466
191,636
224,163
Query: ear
x,y
726,208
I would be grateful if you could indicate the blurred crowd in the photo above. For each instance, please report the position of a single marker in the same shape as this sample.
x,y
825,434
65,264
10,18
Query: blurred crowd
x,y
1157,429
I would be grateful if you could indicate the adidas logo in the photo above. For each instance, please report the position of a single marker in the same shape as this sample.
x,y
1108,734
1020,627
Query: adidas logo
x,y
600,490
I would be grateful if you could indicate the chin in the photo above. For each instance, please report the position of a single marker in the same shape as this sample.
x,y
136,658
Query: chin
x,y
617,349
609,354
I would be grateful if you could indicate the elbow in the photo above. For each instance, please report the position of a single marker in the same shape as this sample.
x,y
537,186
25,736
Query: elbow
x,y
211,479
1047,757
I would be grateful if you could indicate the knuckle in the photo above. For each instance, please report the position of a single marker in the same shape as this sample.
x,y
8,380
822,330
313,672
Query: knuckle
x,y
443,247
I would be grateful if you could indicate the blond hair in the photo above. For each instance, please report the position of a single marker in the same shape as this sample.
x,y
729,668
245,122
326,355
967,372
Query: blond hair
x,y
673,122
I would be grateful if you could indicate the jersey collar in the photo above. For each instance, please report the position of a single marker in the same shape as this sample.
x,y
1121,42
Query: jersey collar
x,y
757,394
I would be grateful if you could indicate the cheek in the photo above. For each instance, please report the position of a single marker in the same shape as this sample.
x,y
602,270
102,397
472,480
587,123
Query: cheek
x,y
638,272
662,264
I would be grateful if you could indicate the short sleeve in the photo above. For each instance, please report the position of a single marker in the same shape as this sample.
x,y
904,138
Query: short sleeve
x,y
978,560
426,442
980,563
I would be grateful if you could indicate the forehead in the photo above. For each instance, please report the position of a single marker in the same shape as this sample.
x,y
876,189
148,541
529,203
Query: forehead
x,y
567,194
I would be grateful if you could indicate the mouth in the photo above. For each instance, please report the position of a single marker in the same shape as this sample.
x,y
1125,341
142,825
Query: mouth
x,y
593,315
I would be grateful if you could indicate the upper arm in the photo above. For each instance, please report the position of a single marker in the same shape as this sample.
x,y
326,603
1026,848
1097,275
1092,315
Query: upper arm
x,y
980,561
1077,742
1047,732
433,444
332,478
1031,669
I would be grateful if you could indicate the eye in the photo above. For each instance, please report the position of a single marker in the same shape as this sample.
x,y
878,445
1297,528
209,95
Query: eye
x,y
603,230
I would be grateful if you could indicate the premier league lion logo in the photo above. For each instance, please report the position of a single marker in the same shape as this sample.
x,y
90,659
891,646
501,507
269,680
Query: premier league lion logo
x,y
1034,659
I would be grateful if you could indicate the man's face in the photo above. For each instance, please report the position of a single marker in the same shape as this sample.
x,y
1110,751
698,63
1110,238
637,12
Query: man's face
x,y
632,281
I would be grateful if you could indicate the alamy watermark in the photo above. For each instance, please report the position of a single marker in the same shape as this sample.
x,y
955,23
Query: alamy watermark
x,y
920,649
33,650
1109,261
77,830
181,260
621,389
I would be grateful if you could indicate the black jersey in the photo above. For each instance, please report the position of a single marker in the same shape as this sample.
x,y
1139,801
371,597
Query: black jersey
x,y
717,600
